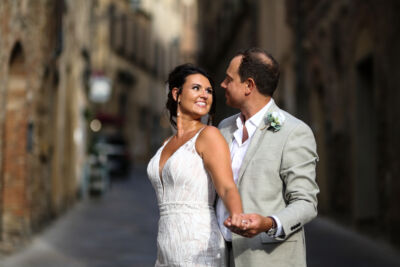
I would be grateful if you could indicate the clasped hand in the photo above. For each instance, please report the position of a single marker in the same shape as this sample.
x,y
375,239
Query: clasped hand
x,y
248,225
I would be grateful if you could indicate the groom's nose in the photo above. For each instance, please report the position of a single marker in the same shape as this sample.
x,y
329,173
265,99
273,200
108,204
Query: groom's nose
x,y
223,84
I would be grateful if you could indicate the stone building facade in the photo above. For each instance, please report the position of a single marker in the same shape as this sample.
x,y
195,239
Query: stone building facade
x,y
143,41
43,64
34,131
49,52
339,62
346,88
233,25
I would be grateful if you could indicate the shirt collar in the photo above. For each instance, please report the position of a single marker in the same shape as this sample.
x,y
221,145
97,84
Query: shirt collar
x,y
254,120
251,124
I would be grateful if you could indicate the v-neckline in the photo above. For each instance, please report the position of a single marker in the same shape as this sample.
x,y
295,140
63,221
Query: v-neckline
x,y
160,170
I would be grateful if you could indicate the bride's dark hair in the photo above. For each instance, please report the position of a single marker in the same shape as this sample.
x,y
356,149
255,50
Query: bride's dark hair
x,y
177,78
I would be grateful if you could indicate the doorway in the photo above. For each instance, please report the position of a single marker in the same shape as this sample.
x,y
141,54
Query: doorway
x,y
15,205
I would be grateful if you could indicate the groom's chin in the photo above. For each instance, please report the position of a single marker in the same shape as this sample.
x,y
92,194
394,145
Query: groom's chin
x,y
227,102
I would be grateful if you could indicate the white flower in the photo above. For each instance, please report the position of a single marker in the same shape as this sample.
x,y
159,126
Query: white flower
x,y
275,120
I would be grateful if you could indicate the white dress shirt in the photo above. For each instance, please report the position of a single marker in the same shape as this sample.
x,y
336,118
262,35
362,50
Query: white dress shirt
x,y
238,151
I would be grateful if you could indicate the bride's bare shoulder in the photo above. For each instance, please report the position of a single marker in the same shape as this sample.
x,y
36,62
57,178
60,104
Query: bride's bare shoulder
x,y
210,136
210,132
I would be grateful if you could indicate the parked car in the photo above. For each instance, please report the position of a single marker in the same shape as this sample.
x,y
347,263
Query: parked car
x,y
99,180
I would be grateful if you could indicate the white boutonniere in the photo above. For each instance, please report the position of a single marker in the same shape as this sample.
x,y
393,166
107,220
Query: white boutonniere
x,y
275,120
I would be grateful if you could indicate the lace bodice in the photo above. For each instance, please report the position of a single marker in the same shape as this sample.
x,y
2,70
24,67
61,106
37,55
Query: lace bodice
x,y
188,230
184,178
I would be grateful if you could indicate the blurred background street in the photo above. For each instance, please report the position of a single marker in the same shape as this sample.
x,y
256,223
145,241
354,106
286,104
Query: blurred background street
x,y
119,229
82,107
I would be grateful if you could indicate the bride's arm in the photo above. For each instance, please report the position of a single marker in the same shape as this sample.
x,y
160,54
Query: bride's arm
x,y
214,150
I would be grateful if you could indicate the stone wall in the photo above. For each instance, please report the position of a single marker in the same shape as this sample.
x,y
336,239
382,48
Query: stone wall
x,y
348,73
33,120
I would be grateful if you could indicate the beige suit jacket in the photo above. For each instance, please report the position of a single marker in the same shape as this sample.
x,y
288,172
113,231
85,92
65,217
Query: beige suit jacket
x,y
277,177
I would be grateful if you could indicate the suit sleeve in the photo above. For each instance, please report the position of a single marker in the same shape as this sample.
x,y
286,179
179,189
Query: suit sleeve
x,y
297,172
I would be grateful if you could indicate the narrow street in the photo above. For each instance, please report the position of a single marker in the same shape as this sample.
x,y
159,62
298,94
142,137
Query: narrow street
x,y
331,245
119,229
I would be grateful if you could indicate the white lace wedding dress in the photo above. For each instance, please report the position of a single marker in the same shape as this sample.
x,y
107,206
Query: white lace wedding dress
x,y
188,233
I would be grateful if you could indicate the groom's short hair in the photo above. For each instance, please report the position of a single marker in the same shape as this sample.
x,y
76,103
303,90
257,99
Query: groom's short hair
x,y
262,67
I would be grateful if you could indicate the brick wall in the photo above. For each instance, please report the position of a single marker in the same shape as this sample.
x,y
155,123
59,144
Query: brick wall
x,y
29,75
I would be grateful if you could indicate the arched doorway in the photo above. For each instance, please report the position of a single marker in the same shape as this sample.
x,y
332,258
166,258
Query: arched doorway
x,y
15,207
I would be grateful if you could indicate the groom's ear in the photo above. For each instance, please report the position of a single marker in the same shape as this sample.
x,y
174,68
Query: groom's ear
x,y
250,86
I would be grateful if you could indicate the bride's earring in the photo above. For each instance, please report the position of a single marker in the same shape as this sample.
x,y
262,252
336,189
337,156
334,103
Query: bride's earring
x,y
177,112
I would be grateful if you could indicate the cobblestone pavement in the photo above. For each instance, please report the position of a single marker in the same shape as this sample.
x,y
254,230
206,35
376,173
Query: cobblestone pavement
x,y
119,230
331,245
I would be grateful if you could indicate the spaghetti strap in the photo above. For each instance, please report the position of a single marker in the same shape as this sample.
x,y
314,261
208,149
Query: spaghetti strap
x,y
197,134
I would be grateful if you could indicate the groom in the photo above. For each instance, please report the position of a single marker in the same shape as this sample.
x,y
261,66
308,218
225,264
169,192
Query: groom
x,y
273,160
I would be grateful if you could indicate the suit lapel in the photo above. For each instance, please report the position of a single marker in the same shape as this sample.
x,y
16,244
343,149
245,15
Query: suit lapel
x,y
260,134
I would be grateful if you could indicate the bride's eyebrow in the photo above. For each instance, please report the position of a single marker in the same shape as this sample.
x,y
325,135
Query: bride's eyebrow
x,y
197,84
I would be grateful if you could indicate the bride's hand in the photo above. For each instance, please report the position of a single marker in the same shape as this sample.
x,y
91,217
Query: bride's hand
x,y
237,222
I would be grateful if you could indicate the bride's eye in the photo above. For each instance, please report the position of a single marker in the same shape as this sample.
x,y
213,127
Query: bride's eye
x,y
196,88
209,90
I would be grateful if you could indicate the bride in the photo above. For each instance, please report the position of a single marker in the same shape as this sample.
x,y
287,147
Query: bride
x,y
187,171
